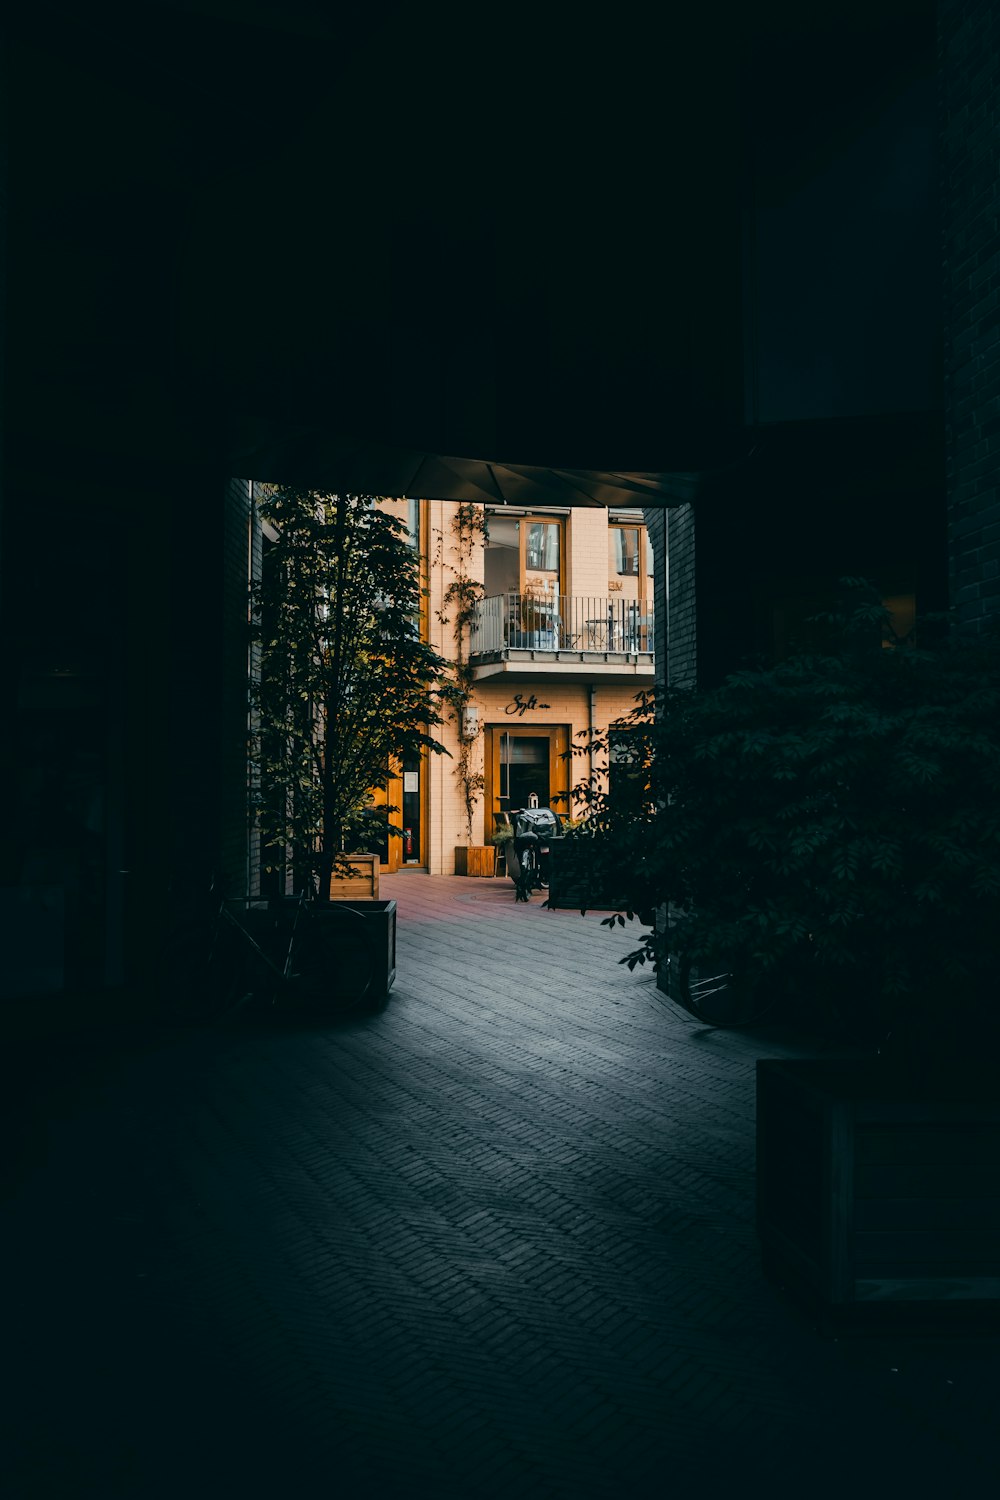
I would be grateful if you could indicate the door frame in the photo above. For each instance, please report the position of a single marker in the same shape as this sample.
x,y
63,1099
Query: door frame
x,y
559,737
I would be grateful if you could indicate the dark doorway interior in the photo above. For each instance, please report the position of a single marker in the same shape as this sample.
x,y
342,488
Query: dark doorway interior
x,y
525,770
411,812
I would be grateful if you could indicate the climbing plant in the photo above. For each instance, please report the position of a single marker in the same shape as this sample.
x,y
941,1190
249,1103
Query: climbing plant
x,y
458,607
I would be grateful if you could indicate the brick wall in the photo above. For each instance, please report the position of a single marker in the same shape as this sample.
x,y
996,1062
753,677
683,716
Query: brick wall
x,y
679,657
969,98
656,527
445,800
587,554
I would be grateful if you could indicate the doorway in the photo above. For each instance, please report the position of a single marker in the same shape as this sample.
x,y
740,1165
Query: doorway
x,y
525,770
525,760
403,800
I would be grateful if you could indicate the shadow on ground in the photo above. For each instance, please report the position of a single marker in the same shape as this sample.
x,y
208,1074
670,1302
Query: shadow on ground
x,y
495,1238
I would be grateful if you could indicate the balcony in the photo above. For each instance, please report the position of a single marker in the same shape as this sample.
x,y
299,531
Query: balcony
x,y
560,635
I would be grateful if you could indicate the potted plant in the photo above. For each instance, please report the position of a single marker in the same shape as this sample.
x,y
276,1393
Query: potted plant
x,y
536,619
826,830
458,605
345,685
501,838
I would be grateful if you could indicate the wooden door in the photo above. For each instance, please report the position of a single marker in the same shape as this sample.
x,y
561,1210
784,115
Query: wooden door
x,y
392,850
501,740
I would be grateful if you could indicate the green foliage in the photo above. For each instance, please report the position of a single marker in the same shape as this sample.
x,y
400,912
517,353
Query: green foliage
x,y
458,606
832,821
346,683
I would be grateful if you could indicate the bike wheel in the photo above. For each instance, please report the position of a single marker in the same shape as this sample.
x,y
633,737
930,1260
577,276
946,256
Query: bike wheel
x,y
718,996
528,880
333,963
200,978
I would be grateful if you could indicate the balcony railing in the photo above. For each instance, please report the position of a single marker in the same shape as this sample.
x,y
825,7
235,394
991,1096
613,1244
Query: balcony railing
x,y
561,622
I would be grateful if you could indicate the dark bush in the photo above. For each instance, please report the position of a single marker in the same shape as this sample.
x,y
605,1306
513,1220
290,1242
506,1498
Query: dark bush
x,y
832,822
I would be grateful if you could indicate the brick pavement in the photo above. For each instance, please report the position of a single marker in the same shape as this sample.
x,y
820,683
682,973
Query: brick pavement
x,y
495,1239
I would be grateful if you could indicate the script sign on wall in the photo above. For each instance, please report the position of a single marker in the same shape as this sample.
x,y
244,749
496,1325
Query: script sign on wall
x,y
520,705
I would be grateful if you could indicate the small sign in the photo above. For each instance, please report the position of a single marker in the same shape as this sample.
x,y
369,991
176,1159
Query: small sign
x,y
520,705
411,781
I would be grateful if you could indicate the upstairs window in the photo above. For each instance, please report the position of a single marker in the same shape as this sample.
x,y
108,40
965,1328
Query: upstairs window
x,y
624,551
541,547
413,524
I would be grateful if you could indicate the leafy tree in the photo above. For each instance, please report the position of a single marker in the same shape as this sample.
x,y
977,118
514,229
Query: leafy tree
x,y
346,683
832,821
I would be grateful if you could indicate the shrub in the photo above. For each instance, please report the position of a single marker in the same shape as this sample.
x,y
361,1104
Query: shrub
x,y
832,818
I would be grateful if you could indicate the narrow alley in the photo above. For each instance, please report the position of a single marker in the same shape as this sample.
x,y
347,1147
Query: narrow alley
x,y
495,1239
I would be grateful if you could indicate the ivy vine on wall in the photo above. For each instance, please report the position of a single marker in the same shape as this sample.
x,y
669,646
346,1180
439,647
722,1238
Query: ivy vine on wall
x,y
458,607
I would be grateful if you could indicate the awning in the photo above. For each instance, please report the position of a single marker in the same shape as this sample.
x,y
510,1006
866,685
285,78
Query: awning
x,y
316,459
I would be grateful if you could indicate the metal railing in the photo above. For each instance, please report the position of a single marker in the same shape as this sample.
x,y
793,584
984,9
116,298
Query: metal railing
x,y
561,622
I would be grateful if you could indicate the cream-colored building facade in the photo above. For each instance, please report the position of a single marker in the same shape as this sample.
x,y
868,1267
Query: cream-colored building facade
x,y
560,644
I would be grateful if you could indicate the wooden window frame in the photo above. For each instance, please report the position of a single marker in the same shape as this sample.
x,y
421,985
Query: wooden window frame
x,y
646,582
541,519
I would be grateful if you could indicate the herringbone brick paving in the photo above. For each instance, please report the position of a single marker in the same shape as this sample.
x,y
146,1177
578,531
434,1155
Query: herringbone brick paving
x,y
495,1238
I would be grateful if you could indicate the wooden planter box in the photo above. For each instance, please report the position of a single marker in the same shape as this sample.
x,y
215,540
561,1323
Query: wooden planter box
x,y
873,1187
362,885
481,859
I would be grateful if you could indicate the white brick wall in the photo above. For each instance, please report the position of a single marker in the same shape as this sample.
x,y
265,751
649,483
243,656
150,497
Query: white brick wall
x,y
587,536
568,702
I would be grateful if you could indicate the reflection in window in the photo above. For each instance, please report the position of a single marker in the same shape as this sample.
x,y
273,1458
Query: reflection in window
x,y
625,550
502,559
541,553
413,523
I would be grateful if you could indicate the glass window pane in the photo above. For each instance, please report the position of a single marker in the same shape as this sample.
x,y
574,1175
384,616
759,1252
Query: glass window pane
x,y
528,752
625,549
413,522
542,547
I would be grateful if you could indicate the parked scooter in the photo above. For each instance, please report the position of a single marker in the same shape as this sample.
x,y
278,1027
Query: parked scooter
x,y
528,850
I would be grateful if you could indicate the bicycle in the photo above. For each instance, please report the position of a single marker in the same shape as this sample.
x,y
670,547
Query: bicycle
x,y
721,997
528,878
214,967
527,852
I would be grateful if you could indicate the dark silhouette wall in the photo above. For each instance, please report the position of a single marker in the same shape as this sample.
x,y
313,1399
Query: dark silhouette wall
x,y
843,464
969,74
751,257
